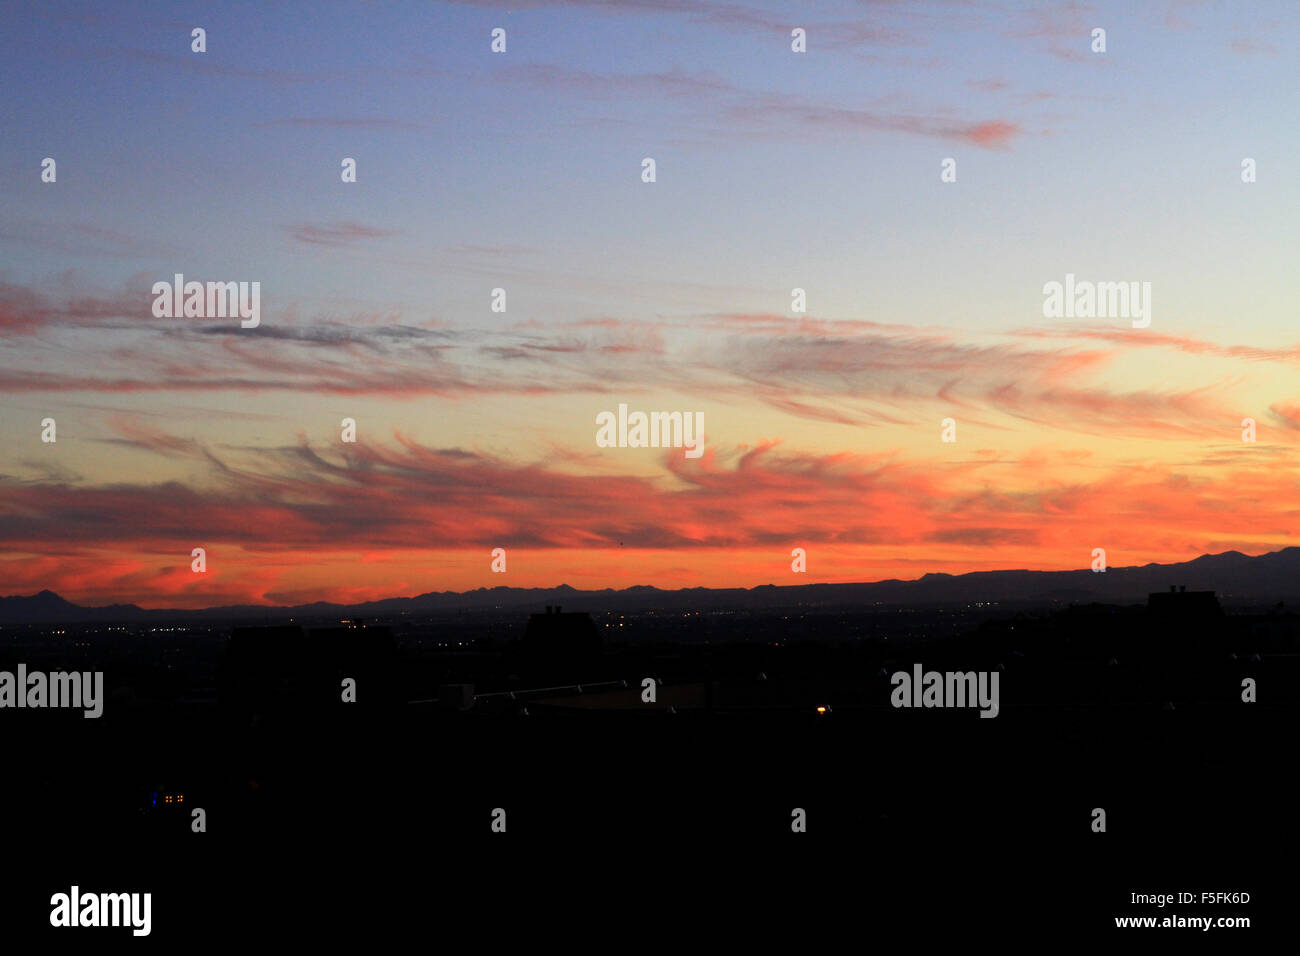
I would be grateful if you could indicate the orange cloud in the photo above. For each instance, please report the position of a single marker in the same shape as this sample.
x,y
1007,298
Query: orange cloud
x,y
296,522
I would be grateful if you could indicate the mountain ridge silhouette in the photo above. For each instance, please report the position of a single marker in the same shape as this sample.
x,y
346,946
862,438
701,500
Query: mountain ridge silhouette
x,y
1270,577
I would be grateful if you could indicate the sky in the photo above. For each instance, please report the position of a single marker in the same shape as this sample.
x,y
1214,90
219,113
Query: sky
x,y
522,170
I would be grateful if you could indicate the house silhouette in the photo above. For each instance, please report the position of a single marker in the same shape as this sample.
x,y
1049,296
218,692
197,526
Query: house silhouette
x,y
1183,604
561,634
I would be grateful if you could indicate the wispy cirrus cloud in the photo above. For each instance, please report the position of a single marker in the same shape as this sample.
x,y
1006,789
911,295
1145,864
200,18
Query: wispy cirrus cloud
x,y
344,233
251,507
765,114
770,113
336,122
1287,414
1249,47
848,372
1148,339
1063,31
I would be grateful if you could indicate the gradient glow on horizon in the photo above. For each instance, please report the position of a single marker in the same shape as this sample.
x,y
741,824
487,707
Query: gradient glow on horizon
x,y
775,170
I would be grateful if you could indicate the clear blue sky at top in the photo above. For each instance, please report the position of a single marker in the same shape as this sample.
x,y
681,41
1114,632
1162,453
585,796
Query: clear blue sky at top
x,y
203,160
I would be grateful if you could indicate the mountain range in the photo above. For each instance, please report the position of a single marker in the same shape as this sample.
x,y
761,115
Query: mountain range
x,y
1238,578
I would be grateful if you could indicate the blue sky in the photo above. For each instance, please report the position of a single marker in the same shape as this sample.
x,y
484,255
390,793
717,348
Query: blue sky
x,y
222,153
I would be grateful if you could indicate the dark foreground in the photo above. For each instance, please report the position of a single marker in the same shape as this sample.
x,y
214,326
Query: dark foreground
x,y
625,822
918,823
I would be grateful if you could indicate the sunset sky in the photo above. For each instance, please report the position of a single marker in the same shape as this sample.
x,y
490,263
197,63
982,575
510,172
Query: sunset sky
x,y
775,170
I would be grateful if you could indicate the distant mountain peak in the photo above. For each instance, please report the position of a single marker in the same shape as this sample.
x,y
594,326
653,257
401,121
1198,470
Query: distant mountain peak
x,y
1266,578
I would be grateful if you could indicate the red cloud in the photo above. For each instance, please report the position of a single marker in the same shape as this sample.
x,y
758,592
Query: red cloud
x,y
991,134
293,521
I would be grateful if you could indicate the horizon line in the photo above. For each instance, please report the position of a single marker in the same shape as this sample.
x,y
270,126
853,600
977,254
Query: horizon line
x,y
648,587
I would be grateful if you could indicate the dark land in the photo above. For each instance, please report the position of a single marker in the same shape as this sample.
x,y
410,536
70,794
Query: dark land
x,y
345,812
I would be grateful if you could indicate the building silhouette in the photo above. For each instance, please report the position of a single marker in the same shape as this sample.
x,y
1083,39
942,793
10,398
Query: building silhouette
x,y
559,634
1183,604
